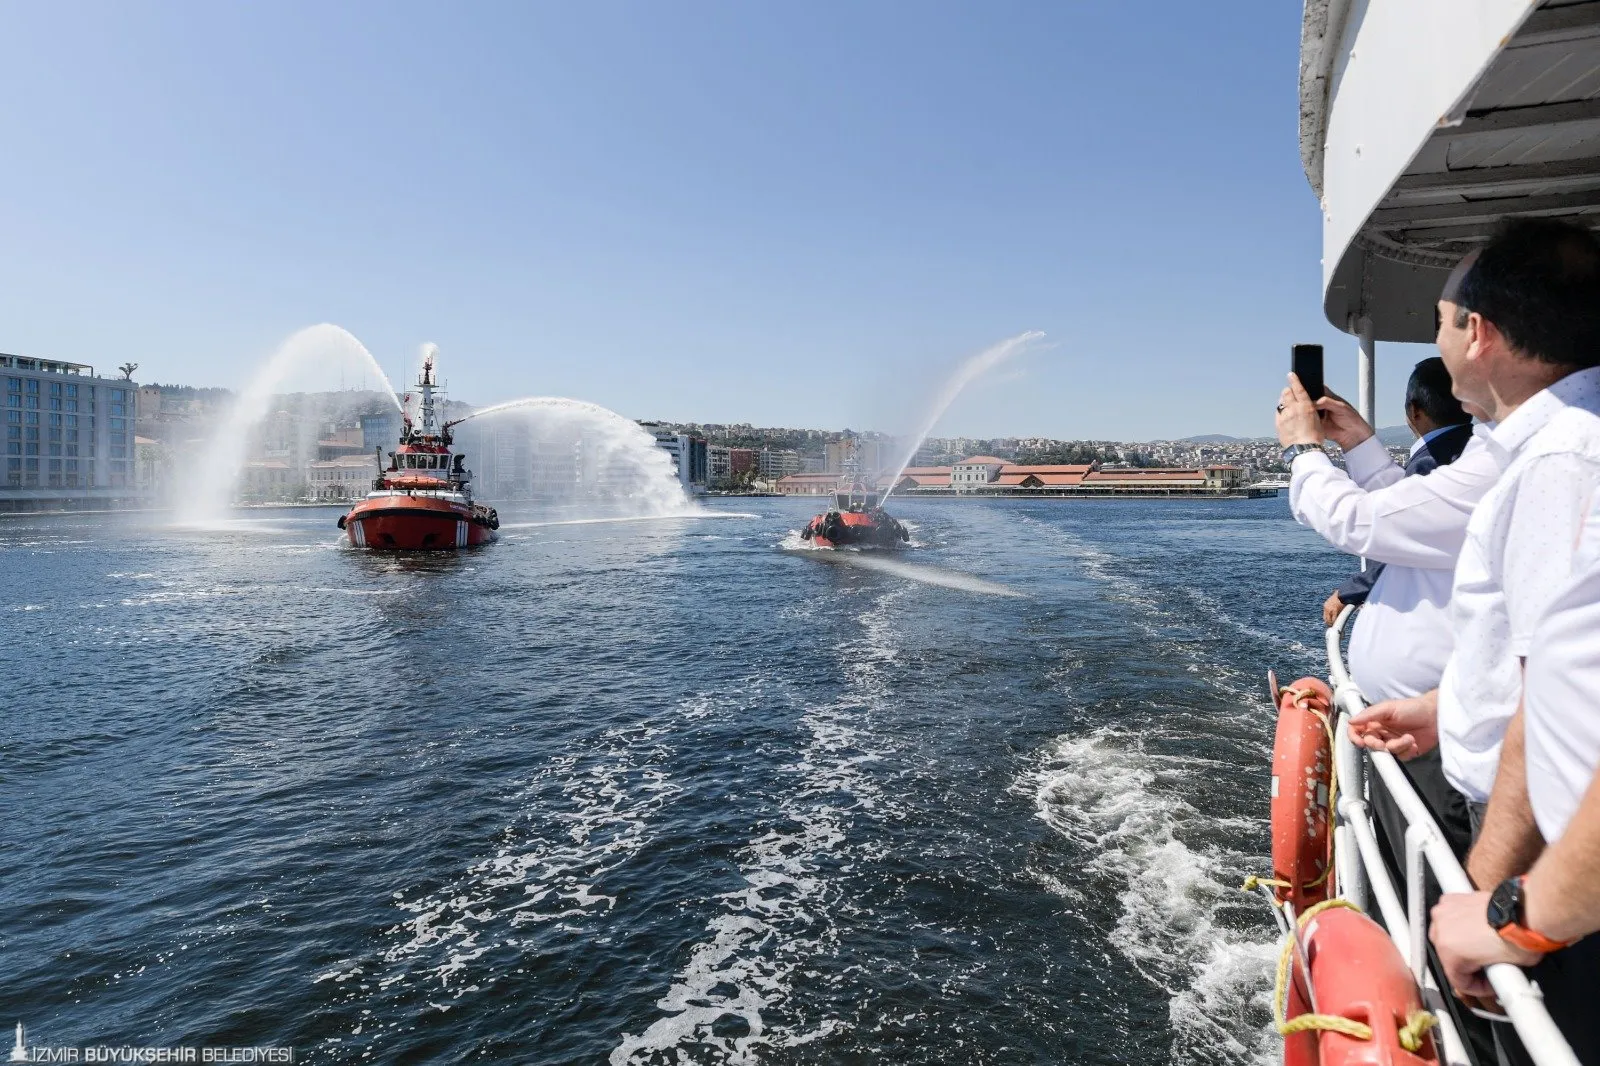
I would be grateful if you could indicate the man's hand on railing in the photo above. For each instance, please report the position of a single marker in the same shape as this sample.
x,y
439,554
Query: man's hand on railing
x,y
1467,944
1331,608
1404,728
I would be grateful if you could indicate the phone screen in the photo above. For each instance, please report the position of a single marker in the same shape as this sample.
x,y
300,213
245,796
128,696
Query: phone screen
x,y
1306,362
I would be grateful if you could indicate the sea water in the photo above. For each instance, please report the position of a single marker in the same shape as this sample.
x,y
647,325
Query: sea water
x,y
659,791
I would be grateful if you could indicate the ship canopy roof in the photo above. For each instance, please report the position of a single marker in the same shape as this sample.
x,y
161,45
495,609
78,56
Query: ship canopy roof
x,y
1423,123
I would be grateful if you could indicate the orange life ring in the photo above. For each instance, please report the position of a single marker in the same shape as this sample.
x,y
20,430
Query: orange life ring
x,y
1358,975
1302,776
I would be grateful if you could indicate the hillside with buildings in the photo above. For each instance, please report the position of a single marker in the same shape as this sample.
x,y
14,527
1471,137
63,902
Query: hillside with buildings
x,y
75,439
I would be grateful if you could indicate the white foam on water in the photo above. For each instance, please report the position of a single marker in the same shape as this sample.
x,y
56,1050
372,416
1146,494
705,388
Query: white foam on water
x,y
1124,806
545,869
731,999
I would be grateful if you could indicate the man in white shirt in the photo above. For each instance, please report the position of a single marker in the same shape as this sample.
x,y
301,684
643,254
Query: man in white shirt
x,y
1520,334
1546,791
1414,526
1401,639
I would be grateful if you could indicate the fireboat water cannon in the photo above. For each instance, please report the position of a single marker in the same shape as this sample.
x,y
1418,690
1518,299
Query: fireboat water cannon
x,y
857,518
423,500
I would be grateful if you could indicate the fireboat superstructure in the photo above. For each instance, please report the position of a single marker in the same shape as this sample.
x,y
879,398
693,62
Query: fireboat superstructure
x,y
423,500
857,518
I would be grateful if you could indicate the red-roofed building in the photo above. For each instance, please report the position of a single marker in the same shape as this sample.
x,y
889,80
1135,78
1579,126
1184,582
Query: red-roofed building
x,y
913,478
988,476
1217,478
808,484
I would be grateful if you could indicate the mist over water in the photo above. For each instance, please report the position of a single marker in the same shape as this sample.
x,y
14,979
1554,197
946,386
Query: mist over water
x,y
306,357
611,458
654,791
566,453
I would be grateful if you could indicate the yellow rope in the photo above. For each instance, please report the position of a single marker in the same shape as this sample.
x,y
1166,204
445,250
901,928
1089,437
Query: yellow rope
x,y
1252,882
1301,696
1411,1034
1333,792
1417,1025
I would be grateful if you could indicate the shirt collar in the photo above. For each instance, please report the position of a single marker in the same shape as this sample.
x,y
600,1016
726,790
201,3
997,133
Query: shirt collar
x,y
1516,429
1422,441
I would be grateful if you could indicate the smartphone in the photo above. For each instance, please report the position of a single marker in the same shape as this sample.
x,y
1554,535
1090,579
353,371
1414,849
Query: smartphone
x,y
1306,362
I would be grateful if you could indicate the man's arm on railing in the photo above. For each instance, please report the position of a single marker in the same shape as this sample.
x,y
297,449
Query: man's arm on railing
x,y
1562,893
1405,727
1509,842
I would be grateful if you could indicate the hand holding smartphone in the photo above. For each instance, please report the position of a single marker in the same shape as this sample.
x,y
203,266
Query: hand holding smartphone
x,y
1306,362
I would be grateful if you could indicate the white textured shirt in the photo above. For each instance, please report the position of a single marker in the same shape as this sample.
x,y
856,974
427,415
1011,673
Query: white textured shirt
x,y
1401,639
1517,556
1561,693
1372,509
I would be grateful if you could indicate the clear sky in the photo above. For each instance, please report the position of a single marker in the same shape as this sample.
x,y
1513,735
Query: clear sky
x,y
779,213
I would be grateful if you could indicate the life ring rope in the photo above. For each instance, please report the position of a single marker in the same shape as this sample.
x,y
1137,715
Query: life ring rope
x,y
1410,1035
1302,699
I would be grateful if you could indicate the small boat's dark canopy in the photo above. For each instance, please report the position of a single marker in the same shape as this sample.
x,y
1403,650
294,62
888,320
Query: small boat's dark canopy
x,y
1405,194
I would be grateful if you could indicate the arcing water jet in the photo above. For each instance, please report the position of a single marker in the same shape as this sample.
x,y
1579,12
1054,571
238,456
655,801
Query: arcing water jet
x,y
619,460
964,375
225,454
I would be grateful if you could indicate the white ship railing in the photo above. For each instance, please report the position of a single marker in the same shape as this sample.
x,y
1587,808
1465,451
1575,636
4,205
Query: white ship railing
x,y
1362,872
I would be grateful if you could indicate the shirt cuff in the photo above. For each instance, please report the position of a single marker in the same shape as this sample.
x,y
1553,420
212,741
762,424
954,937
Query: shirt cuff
x,y
1366,459
1305,462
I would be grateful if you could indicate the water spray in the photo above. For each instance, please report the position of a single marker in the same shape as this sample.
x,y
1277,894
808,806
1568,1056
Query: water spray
x,y
954,385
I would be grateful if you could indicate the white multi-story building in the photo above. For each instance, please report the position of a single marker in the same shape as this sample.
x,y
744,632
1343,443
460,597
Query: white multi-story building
x,y
690,459
344,477
779,462
975,472
68,436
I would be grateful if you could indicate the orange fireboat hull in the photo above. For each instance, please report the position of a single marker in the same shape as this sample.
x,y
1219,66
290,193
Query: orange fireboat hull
x,y
854,529
415,523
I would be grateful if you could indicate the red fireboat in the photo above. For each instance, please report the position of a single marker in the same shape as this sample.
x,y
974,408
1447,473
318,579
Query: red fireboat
x,y
857,519
423,501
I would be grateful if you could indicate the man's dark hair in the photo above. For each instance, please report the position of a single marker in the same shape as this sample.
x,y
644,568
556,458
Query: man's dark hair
x,y
1429,392
1538,281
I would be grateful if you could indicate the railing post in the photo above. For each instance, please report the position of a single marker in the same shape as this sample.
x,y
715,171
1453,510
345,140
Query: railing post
x,y
1416,901
1366,372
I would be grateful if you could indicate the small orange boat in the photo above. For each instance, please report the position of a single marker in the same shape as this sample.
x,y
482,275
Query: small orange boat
x,y
857,518
423,500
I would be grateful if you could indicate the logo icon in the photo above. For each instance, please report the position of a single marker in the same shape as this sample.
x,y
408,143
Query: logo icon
x,y
20,1052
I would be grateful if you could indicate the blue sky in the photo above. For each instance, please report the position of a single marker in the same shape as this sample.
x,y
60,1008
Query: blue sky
x,y
786,214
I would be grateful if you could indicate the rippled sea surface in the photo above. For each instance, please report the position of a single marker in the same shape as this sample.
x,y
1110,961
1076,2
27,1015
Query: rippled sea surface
x,y
651,792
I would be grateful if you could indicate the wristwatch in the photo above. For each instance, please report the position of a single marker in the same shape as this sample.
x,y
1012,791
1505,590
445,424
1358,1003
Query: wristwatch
x,y
1294,450
1505,918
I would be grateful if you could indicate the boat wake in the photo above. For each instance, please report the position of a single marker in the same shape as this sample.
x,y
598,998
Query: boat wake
x,y
733,997
1183,921
931,575
881,562
586,813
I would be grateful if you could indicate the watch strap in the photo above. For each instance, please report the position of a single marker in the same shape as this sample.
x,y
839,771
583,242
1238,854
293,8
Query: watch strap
x,y
1294,451
1514,931
1528,940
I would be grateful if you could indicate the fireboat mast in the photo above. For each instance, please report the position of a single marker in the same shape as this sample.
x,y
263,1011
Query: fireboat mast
x,y
426,385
